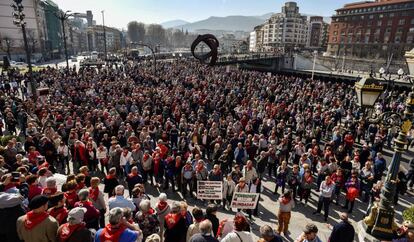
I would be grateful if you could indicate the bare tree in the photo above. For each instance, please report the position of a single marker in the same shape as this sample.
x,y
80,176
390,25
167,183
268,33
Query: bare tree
x,y
6,45
155,35
31,39
136,31
178,39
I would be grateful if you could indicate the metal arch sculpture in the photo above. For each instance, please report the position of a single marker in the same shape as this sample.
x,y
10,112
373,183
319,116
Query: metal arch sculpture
x,y
212,42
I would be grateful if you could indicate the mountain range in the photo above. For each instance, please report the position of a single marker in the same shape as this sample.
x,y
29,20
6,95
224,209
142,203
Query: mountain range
x,y
228,23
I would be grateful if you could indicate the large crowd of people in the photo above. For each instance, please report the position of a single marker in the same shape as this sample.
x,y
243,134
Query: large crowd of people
x,y
128,129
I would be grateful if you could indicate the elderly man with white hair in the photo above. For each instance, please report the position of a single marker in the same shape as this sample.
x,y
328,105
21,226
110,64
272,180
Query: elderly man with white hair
x,y
206,234
75,229
119,201
162,208
118,229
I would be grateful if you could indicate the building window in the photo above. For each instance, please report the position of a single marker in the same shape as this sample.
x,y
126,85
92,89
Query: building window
x,y
401,22
379,23
371,16
412,21
381,15
389,23
392,15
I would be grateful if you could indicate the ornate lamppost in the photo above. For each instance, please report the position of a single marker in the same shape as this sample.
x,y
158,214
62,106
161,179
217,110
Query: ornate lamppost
x,y
380,221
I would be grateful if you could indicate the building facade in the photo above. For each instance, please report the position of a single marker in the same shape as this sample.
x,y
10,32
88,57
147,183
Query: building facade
x,y
96,38
11,35
286,30
375,29
318,33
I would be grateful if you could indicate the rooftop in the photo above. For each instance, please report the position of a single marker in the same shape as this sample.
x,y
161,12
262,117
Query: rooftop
x,y
366,4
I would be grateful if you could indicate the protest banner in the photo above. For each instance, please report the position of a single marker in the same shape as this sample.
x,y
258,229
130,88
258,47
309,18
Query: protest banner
x,y
210,190
244,200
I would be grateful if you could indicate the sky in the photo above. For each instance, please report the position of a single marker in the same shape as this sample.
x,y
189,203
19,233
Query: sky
x,y
119,12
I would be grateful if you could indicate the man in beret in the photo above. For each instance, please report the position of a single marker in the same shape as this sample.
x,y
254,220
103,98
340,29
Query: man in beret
x,y
37,225
75,230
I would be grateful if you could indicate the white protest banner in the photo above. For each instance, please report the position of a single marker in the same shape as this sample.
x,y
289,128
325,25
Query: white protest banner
x,y
243,200
210,190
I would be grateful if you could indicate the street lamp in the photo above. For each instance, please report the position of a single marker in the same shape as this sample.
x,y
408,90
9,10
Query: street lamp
x,y
315,54
104,32
368,89
380,221
154,68
19,17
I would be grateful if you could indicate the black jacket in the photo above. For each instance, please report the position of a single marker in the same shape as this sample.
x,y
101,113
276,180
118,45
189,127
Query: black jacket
x,y
342,232
214,221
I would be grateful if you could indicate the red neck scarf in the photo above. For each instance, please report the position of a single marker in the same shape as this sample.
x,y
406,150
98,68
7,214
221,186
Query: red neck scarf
x,y
33,219
94,193
71,198
108,177
68,230
110,234
162,205
200,220
131,175
150,211
80,186
9,186
200,168
60,214
285,200
172,219
49,191
85,204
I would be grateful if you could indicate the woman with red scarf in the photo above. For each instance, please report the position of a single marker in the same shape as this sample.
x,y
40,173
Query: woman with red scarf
x,y
110,182
70,194
175,225
306,185
91,214
97,199
147,219
352,191
162,209
57,207
286,204
34,188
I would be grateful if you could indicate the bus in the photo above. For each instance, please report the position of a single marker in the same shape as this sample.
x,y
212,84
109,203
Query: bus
x,y
94,55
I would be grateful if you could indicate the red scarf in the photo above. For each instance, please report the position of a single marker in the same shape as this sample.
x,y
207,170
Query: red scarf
x,y
131,175
80,186
199,168
9,186
49,191
71,198
33,219
85,204
150,211
329,183
285,200
60,214
172,219
109,177
68,230
111,235
162,205
94,193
